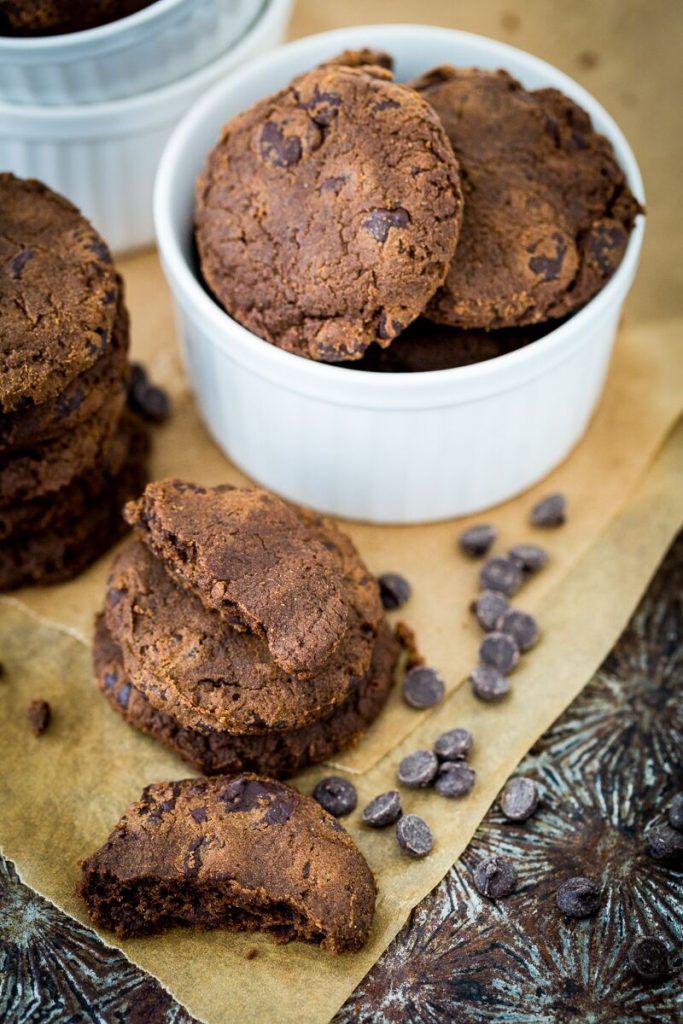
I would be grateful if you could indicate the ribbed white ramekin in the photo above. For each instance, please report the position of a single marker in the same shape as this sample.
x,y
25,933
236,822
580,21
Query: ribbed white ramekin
x,y
394,448
103,156
147,50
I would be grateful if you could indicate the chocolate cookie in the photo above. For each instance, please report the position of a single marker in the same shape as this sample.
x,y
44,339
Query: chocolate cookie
x,y
238,852
327,215
37,471
82,398
191,664
279,754
55,17
59,294
548,212
360,59
264,564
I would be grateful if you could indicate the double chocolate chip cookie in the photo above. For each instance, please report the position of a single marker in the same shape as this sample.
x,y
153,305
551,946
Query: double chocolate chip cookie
x,y
240,852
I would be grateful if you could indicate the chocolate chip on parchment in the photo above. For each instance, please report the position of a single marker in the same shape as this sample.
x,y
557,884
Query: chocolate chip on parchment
x,y
676,812
665,843
414,835
418,769
502,575
39,716
549,511
521,626
578,897
453,745
455,779
529,557
149,401
394,590
495,877
384,810
499,650
336,795
489,608
476,541
519,799
488,683
649,957
423,687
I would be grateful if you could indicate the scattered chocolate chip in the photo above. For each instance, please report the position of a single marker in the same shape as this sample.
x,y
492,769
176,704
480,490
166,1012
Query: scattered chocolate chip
x,y
453,745
408,641
488,683
549,511
414,835
675,811
277,148
521,626
476,541
336,795
394,590
649,957
529,557
380,222
495,877
665,843
489,608
578,897
455,779
423,687
384,810
145,398
499,650
39,715
502,575
519,799
418,769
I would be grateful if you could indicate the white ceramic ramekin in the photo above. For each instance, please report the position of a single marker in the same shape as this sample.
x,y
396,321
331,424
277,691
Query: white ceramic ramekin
x,y
147,50
103,156
392,448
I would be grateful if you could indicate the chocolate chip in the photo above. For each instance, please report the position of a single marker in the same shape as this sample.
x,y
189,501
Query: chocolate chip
x,y
500,651
502,575
665,843
529,557
384,810
336,795
548,267
476,541
414,835
455,779
489,608
39,715
418,769
453,745
519,799
675,811
323,105
380,222
521,626
123,696
578,897
495,877
549,511
146,399
423,687
277,148
649,957
488,683
394,590
19,262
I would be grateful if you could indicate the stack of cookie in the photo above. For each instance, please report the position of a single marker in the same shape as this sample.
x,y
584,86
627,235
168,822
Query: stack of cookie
x,y
70,452
241,631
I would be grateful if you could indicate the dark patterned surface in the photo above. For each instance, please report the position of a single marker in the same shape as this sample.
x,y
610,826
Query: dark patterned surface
x,y
607,770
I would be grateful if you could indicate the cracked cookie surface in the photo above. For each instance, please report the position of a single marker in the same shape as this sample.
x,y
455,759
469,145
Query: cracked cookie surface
x,y
327,215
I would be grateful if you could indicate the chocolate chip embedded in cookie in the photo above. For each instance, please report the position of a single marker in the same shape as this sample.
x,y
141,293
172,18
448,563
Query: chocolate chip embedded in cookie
x,y
327,215
59,294
548,212
242,852
265,565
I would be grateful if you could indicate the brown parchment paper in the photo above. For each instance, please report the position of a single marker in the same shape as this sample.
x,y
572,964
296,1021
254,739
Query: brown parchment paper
x,y
60,795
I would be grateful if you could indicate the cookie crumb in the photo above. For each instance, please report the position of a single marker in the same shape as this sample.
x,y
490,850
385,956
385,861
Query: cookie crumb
x,y
408,641
39,716
251,954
